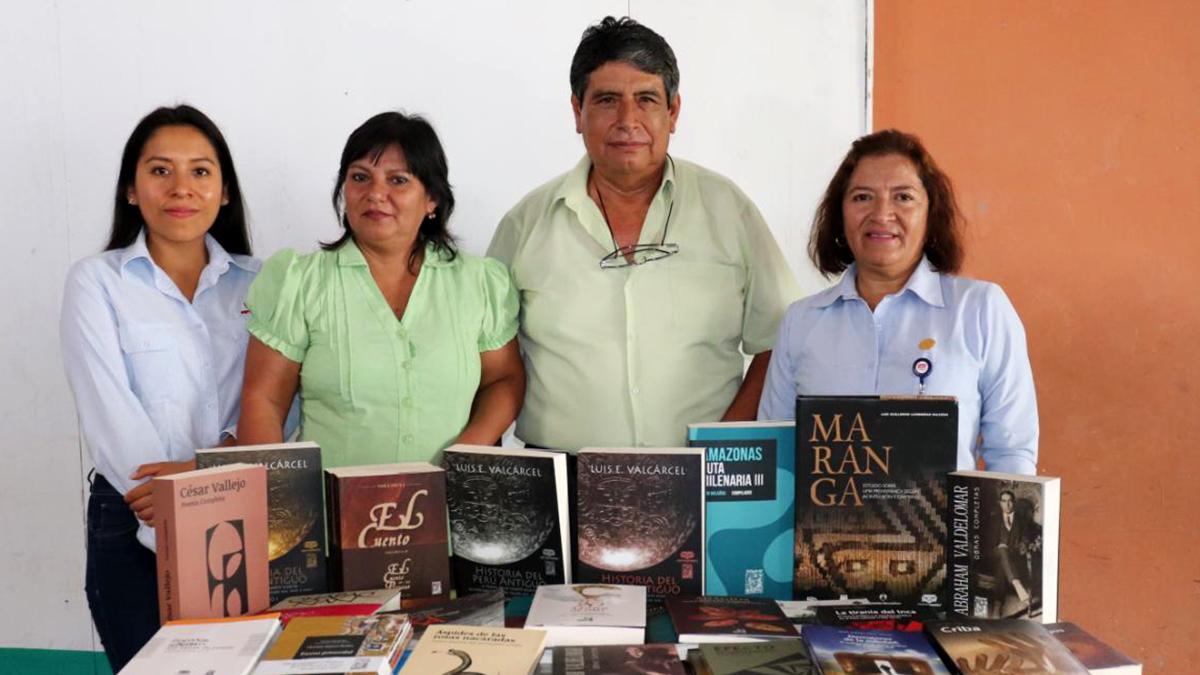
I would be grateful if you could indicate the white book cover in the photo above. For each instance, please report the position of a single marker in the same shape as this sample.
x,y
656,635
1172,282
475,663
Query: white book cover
x,y
589,614
210,646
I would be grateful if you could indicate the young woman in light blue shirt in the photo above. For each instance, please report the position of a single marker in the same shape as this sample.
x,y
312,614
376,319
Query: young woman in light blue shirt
x,y
153,341
889,221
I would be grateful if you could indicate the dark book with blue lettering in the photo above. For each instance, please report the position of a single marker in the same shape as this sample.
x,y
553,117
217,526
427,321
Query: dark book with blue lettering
x,y
750,491
847,651
871,506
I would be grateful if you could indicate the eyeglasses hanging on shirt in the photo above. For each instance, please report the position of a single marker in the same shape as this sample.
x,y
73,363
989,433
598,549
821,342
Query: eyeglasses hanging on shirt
x,y
637,254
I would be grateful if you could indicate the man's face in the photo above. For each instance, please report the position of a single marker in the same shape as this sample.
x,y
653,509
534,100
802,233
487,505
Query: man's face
x,y
626,121
1006,503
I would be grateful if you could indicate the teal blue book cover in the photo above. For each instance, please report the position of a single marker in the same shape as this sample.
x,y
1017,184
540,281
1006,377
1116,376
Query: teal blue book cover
x,y
750,487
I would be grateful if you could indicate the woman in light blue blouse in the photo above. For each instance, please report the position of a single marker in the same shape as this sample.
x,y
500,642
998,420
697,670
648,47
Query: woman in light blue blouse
x,y
889,221
153,341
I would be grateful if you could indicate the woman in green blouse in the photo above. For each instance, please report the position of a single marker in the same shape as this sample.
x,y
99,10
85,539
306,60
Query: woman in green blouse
x,y
399,343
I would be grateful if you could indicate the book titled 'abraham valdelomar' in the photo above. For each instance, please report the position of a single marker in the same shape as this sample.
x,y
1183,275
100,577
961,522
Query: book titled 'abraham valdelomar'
x,y
388,528
871,499
211,531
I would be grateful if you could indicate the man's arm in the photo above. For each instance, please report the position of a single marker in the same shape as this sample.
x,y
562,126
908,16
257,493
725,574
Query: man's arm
x,y
745,405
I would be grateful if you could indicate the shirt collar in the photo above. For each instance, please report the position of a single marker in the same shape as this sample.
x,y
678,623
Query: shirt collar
x,y
218,258
573,189
349,255
925,283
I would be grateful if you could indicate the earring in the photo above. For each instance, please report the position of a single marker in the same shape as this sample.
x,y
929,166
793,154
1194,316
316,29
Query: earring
x,y
131,202
432,215
837,241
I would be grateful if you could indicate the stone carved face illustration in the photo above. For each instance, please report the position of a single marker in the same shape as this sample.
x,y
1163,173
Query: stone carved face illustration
x,y
499,517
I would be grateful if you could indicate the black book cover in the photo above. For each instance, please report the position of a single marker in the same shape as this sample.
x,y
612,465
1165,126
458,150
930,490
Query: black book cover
x,y
507,528
641,520
871,497
1003,548
295,512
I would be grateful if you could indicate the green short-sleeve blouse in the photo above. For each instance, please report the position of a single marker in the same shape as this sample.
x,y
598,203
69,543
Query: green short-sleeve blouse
x,y
374,389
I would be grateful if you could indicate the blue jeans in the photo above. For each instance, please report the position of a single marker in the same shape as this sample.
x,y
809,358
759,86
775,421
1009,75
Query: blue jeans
x,y
121,581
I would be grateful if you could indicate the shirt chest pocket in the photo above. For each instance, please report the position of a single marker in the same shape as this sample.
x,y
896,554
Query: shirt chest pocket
x,y
152,360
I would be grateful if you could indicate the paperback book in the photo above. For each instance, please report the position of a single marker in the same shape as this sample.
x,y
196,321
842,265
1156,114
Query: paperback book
x,y
295,512
509,518
354,645
871,501
847,651
341,603
773,657
589,614
1098,657
1002,645
1003,550
713,618
388,528
657,659
463,649
640,518
216,646
750,493
480,609
211,537
875,616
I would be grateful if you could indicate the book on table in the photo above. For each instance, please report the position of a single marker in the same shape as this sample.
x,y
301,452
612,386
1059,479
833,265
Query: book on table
x,y
589,614
212,646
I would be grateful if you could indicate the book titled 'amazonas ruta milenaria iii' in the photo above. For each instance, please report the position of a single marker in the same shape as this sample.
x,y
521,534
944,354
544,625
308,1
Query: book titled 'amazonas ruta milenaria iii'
x,y
388,528
641,519
295,511
871,497
211,532
509,518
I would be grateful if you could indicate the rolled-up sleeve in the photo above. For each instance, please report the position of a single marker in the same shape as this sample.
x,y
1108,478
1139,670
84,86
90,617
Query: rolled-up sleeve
x,y
1008,422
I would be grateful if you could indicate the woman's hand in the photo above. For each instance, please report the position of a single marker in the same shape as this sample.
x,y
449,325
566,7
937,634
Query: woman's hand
x,y
141,498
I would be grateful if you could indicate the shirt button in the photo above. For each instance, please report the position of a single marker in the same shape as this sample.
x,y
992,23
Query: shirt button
x,y
401,333
636,391
407,402
408,439
407,365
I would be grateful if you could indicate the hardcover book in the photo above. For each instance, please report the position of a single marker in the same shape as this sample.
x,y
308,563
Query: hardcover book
x,y
773,657
463,649
728,619
804,612
509,518
750,492
640,515
211,531
354,645
480,609
1002,645
846,651
589,614
295,511
871,497
1096,656
1003,549
343,603
210,646
388,528
657,659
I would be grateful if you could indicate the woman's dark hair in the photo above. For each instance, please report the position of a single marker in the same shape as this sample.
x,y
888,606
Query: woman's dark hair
x,y
426,160
229,229
943,235
623,40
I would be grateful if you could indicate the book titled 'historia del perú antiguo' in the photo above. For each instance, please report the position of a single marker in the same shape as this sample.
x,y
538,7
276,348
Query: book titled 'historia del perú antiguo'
x,y
509,518
211,532
871,497
388,528
1003,549
295,511
641,519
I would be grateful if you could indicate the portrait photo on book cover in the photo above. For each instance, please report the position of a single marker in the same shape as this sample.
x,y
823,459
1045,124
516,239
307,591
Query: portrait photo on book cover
x,y
1012,539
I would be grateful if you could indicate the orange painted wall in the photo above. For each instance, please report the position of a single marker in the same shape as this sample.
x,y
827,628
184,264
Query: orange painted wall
x,y
1072,131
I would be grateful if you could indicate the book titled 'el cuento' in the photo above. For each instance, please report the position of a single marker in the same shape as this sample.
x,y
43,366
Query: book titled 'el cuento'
x,y
641,519
871,497
295,511
388,528
509,518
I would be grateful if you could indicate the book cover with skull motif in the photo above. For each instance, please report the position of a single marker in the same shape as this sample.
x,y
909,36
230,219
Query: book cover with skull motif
x,y
388,529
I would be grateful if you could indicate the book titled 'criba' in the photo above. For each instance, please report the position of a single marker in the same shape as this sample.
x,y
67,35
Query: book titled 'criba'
x,y
211,532
388,528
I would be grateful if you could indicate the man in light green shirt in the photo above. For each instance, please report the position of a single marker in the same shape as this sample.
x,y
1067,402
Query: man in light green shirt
x,y
643,278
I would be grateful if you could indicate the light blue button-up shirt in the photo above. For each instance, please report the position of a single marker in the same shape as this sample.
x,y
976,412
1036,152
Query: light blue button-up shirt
x,y
154,376
831,343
